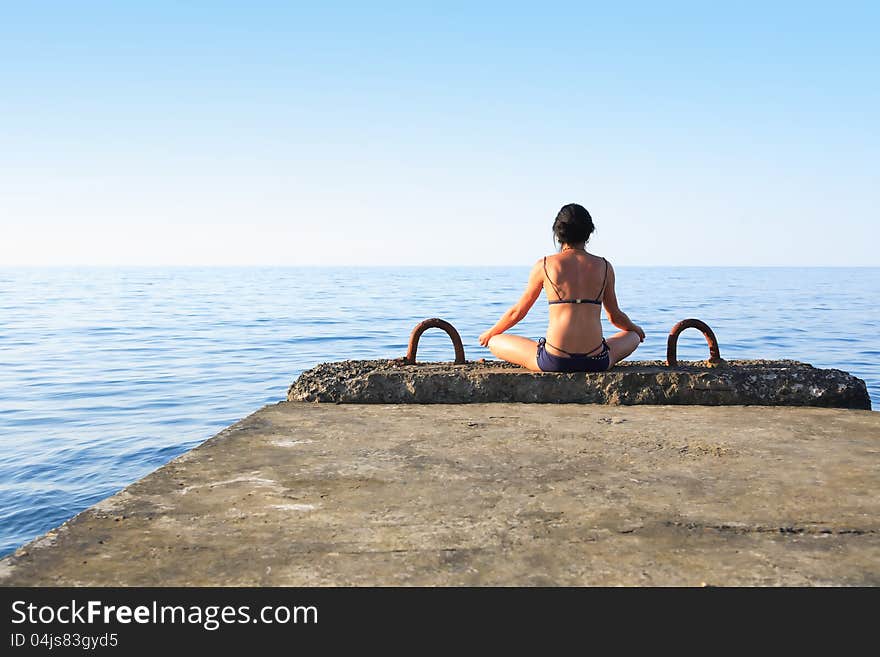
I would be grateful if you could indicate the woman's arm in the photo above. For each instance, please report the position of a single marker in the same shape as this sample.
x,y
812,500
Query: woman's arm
x,y
521,308
615,315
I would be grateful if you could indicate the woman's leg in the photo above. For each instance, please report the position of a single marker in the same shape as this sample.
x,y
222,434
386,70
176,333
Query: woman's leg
x,y
517,350
621,345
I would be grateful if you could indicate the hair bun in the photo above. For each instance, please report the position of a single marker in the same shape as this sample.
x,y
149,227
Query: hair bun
x,y
573,224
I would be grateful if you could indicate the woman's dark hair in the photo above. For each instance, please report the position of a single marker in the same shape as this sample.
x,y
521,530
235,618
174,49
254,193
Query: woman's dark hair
x,y
573,225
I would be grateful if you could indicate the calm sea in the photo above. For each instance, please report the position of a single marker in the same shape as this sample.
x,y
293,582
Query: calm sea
x,y
106,374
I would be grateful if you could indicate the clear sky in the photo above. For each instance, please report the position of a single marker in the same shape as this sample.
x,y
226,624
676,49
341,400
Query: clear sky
x,y
445,133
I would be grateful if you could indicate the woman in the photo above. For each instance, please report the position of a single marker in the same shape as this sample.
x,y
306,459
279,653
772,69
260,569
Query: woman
x,y
577,283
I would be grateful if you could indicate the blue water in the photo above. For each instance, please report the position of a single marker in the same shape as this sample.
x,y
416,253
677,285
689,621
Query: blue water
x,y
106,374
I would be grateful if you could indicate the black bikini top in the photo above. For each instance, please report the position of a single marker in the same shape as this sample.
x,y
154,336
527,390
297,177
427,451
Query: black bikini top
x,y
597,300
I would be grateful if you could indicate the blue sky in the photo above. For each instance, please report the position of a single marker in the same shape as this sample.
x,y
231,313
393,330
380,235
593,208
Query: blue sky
x,y
443,133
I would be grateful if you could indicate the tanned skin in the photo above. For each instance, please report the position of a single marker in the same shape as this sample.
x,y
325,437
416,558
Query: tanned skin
x,y
577,328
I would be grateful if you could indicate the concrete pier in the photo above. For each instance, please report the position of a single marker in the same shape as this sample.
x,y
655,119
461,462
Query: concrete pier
x,y
491,494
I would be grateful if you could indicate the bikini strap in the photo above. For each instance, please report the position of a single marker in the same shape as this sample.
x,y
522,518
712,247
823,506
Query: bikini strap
x,y
555,289
602,344
558,349
604,280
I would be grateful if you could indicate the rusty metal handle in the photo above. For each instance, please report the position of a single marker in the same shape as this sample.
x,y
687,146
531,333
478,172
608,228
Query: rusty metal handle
x,y
421,327
672,342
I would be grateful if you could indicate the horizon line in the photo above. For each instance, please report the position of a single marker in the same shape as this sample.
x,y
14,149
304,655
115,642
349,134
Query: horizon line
x,y
400,266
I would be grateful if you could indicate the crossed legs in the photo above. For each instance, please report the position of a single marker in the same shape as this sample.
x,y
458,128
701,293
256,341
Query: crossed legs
x,y
524,352
621,345
515,349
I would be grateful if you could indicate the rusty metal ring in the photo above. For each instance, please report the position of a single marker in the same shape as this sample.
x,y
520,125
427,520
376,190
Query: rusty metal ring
x,y
672,342
421,327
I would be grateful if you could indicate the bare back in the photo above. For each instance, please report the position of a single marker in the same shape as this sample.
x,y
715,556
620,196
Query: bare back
x,y
575,274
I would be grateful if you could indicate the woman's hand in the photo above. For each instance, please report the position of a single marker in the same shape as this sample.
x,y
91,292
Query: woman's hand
x,y
485,336
641,333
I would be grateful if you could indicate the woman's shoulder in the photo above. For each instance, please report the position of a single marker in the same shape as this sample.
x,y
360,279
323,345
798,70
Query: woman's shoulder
x,y
601,260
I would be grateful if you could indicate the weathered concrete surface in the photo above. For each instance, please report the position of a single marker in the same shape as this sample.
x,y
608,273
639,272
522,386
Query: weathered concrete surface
x,y
496,494
741,382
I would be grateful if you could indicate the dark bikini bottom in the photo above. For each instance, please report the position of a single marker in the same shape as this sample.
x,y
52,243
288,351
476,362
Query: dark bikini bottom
x,y
574,362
